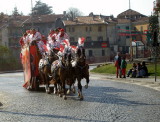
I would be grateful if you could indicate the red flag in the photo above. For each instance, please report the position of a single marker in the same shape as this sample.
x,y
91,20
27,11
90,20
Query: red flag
x,y
81,40
103,45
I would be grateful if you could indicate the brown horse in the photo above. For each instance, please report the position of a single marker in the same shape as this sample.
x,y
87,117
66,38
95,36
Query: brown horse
x,y
63,73
81,69
45,68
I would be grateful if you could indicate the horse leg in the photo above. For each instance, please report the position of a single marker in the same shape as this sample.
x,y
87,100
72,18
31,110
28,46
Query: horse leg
x,y
60,89
87,81
80,89
74,89
41,76
55,88
62,80
47,84
69,90
64,90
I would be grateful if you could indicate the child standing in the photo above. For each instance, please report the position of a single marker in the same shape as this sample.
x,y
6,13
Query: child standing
x,y
123,67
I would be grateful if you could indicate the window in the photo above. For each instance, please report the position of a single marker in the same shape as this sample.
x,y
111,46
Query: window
x,y
69,29
90,53
103,52
119,39
100,38
141,28
148,27
90,29
72,39
99,29
112,48
135,28
88,38
49,25
108,39
86,29
73,29
127,27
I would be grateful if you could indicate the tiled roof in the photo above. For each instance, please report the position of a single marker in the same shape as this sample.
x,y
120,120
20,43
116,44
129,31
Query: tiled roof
x,y
142,20
82,20
122,21
129,12
18,21
45,18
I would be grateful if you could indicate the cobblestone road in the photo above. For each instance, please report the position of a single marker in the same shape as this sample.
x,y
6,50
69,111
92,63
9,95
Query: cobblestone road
x,y
104,101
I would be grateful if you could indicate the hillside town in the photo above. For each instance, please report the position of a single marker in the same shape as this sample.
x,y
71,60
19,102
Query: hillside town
x,y
105,35
73,67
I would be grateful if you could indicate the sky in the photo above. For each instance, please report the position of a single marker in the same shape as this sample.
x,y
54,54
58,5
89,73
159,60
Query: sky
x,y
103,7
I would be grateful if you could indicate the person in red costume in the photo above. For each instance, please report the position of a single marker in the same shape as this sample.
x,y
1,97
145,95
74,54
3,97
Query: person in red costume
x,y
62,35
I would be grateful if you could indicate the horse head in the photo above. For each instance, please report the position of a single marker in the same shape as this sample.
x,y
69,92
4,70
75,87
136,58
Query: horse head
x,y
80,54
52,56
68,60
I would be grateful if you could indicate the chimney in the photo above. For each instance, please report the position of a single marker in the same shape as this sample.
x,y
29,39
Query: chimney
x,y
93,17
76,19
100,16
64,13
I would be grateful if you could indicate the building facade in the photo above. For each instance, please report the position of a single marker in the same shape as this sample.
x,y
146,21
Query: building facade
x,y
130,26
94,30
105,35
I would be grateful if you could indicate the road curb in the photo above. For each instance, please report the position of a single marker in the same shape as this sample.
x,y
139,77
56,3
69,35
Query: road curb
x,y
14,71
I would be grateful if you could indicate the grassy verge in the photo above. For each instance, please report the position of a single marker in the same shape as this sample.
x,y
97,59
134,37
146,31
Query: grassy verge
x,y
110,69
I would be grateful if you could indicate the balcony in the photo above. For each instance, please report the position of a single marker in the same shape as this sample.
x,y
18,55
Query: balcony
x,y
94,44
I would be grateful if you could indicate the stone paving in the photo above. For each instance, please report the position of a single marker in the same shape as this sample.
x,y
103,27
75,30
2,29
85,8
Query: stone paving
x,y
104,101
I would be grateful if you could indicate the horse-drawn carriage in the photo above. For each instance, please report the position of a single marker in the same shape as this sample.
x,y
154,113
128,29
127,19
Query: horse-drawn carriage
x,y
55,69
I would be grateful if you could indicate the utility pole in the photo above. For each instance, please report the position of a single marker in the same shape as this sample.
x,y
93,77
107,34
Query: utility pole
x,y
130,37
32,13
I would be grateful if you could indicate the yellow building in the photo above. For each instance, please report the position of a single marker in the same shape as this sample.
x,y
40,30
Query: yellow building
x,y
94,30
141,26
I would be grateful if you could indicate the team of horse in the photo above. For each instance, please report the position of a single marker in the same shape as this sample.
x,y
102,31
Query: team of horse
x,y
64,71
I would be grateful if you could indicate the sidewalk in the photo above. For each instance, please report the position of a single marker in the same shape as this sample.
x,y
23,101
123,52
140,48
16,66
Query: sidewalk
x,y
147,82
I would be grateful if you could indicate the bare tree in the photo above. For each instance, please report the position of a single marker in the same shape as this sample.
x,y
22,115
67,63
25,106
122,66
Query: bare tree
x,y
72,13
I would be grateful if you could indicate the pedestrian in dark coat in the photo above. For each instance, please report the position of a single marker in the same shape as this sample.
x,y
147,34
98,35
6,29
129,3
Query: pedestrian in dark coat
x,y
123,67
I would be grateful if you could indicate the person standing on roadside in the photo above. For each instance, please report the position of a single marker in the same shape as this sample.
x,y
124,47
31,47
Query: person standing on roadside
x,y
123,67
118,64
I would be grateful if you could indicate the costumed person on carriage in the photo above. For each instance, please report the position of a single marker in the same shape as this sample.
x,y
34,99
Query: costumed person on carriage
x,y
62,35
52,43
36,52
44,39
35,38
